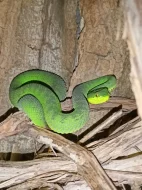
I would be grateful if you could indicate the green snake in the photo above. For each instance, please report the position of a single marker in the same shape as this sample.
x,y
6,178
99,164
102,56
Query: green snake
x,y
39,94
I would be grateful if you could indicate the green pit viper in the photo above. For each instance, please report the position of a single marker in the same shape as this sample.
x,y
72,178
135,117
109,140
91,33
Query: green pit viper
x,y
39,94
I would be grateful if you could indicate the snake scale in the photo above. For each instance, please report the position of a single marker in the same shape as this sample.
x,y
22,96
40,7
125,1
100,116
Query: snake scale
x,y
39,94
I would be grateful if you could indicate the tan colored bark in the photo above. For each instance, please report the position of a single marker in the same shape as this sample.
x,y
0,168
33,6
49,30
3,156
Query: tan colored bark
x,y
42,34
133,28
87,165
100,51
35,34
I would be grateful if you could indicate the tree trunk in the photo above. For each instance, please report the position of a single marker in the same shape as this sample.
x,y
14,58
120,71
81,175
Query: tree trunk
x,y
78,40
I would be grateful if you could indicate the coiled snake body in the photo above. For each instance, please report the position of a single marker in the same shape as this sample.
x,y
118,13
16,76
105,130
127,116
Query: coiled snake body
x,y
39,93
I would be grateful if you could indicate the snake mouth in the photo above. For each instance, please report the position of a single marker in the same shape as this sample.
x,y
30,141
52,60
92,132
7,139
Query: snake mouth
x,y
112,88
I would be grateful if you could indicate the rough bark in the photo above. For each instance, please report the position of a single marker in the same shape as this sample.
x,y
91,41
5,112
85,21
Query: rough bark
x,y
43,34
101,49
36,34
87,165
133,28
124,143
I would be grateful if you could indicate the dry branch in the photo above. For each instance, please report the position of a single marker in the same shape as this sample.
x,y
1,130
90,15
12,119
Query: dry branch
x,y
122,143
79,161
126,127
87,165
124,177
126,103
49,168
102,126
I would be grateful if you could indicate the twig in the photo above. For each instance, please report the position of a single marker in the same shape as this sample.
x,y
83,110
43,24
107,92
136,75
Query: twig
x,y
122,144
126,177
102,126
132,123
127,104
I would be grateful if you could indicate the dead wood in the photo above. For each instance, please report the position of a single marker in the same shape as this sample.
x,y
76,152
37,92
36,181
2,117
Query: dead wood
x,y
126,103
120,152
102,126
87,165
79,163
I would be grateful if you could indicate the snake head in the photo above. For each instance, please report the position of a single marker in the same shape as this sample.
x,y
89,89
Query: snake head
x,y
98,96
